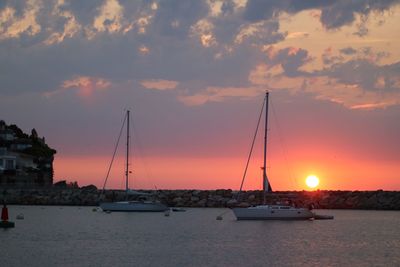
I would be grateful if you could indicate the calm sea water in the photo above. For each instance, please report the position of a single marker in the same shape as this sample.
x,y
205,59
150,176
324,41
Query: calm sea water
x,y
77,236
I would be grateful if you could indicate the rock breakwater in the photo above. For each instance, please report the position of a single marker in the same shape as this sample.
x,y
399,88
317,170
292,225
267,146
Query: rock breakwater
x,y
91,196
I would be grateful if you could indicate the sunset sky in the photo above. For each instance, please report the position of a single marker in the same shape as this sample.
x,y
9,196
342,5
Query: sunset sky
x,y
194,74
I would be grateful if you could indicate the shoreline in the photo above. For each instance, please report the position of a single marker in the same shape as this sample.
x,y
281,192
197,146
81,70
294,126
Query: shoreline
x,y
219,198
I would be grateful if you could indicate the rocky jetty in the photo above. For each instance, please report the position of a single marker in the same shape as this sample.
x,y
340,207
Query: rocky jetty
x,y
91,196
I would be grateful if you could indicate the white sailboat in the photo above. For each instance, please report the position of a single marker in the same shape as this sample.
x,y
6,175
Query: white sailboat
x,y
131,206
269,212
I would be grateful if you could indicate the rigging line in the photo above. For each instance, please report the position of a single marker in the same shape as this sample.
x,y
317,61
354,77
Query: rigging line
x,y
115,151
251,149
281,140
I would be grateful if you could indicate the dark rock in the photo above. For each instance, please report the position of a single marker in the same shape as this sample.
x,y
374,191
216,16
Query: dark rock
x,y
244,205
61,184
90,188
232,203
202,203
194,199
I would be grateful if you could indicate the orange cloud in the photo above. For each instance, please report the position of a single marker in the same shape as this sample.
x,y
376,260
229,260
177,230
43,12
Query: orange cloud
x,y
12,26
203,30
296,35
263,73
71,26
159,84
110,17
144,50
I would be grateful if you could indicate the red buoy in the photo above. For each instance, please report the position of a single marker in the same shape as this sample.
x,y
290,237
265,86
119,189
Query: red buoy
x,y
4,213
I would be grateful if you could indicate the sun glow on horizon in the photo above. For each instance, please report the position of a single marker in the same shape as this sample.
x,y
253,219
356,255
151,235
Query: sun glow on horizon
x,y
312,181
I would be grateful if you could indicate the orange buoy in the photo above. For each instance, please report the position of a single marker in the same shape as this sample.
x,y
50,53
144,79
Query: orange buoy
x,y
4,213
4,223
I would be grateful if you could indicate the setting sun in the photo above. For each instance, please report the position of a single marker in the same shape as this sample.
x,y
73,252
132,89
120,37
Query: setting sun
x,y
312,181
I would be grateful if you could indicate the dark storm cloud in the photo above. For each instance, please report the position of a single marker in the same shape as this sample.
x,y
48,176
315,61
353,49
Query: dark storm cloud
x,y
19,5
291,59
174,53
84,11
257,10
334,14
348,51
356,81
176,17
172,44
366,74
359,72
293,62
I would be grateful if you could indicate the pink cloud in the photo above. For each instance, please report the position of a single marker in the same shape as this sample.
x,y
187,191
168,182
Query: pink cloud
x,y
159,84
85,86
219,94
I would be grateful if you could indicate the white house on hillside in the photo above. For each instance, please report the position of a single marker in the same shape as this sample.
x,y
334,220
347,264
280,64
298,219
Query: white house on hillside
x,y
24,160
7,162
21,144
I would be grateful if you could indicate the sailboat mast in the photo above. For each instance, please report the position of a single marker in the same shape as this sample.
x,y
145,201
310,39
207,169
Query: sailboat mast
x,y
265,178
127,152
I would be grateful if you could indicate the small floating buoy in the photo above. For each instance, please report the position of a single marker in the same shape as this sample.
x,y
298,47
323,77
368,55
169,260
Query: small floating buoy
x,y
20,216
219,218
166,213
178,210
107,211
94,209
323,217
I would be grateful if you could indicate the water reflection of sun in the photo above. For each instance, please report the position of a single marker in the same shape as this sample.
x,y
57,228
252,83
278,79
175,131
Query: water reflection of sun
x,y
312,181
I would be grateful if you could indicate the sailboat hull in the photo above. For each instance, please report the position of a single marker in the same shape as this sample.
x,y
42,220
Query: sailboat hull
x,y
133,206
272,212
